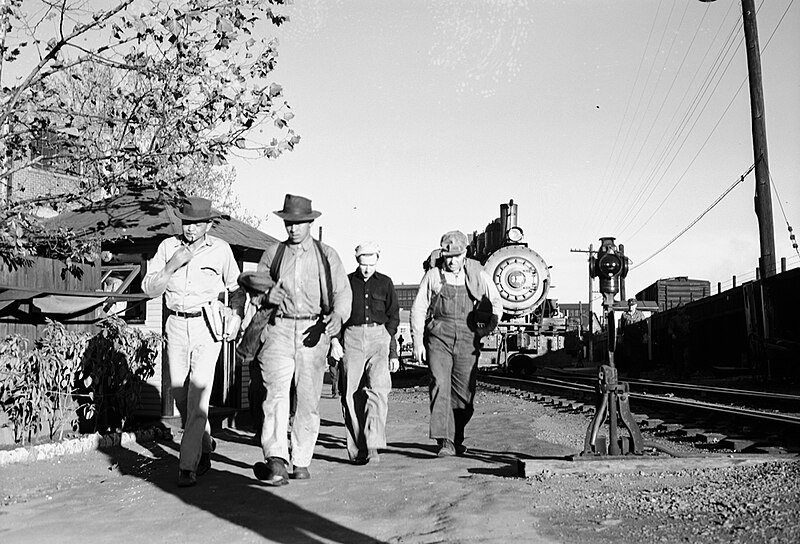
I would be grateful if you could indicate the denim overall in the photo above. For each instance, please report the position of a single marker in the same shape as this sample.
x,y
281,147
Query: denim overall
x,y
452,350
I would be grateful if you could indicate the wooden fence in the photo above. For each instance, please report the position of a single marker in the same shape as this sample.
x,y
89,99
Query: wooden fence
x,y
21,317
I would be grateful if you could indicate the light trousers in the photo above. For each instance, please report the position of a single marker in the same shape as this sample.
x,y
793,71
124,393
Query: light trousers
x,y
293,350
192,359
367,382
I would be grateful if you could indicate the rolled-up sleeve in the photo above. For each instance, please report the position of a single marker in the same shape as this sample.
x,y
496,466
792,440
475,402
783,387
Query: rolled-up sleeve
x,y
342,294
419,310
155,281
494,295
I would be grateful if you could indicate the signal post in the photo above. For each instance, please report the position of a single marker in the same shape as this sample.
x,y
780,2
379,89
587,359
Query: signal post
x,y
611,267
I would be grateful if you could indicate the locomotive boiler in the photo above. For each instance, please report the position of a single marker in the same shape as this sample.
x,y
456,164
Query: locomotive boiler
x,y
532,324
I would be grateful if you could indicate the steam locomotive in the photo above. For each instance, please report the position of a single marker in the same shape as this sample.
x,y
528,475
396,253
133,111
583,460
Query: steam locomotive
x,y
532,324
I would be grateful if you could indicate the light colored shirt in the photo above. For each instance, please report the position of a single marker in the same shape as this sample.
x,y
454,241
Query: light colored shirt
x,y
300,272
209,273
431,284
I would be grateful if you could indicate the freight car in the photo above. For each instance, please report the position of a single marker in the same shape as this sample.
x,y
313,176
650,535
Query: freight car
x,y
673,292
751,330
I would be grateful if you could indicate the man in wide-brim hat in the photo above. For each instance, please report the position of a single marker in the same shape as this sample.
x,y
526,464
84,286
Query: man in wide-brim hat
x,y
309,302
193,270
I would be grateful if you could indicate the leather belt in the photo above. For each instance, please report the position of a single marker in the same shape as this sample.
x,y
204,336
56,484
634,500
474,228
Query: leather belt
x,y
370,325
176,313
298,317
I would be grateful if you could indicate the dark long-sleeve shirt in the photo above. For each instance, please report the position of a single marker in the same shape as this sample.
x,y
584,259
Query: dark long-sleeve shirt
x,y
374,301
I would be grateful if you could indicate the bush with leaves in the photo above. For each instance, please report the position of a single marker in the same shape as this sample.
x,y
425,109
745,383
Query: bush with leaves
x,y
71,379
36,387
117,362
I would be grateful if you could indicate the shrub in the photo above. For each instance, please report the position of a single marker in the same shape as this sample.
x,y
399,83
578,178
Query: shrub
x,y
117,361
72,379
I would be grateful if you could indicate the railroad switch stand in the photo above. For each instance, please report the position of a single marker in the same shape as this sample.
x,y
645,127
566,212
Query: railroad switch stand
x,y
612,402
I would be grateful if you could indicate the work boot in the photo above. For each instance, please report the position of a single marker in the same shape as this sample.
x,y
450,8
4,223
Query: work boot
x,y
301,473
272,472
186,478
446,448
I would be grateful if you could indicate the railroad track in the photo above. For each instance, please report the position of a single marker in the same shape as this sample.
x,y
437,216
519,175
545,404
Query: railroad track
x,y
678,411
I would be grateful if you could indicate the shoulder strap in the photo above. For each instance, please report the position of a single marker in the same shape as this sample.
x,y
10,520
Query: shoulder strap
x,y
326,282
275,267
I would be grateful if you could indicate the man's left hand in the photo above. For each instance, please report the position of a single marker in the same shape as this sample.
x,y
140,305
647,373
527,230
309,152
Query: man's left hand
x,y
394,364
333,324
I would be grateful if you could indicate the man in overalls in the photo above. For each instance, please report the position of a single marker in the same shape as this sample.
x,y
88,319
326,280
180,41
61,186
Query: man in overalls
x,y
456,306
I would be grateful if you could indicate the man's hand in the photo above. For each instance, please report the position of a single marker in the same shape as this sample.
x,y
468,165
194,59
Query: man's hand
x,y
333,324
277,293
394,364
336,349
182,256
419,353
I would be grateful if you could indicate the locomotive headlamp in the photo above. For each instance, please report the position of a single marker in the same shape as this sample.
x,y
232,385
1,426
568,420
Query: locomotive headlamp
x,y
514,235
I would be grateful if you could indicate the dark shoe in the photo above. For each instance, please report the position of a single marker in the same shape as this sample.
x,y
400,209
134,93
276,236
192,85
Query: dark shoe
x,y
301,473
373,456
272,472
186,478
360,460
205,464
461,449
446,448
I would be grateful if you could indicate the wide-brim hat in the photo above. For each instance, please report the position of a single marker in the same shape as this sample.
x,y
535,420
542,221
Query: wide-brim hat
x,y
255,281
297,208
195,208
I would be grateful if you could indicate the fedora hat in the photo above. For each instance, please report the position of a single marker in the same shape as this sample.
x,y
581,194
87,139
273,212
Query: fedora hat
x,y
297,208
195,208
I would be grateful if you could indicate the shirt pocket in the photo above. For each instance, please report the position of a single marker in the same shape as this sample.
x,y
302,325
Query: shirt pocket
x,y
379,302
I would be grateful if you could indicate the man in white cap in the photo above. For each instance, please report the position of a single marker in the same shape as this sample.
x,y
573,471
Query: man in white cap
x,y
192,270
370,354
310,300
456,306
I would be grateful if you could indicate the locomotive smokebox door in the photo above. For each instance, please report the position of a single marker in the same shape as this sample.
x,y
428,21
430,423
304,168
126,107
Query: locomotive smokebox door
x,y
521,276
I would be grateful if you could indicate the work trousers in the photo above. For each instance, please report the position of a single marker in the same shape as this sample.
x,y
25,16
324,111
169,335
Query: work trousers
x,y
366,383
192,357
293,350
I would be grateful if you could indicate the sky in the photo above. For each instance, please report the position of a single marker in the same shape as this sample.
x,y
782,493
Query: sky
x,y
623,118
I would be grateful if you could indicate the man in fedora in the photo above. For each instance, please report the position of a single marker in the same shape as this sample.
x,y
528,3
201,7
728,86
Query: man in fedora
x,y
457,304
309,302
194,270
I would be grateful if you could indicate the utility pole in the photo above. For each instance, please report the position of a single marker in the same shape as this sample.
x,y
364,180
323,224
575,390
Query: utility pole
x,y
590,354
763,197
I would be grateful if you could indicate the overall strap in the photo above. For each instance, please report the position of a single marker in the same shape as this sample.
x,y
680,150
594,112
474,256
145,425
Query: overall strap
x,y
275,267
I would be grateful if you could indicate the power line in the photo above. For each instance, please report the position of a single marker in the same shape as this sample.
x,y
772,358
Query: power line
x,y
690,225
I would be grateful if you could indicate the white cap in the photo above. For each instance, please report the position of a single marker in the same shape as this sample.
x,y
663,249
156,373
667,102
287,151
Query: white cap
x,y
367,248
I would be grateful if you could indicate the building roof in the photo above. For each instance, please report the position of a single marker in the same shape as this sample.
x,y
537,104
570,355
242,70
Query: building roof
x,y
145,214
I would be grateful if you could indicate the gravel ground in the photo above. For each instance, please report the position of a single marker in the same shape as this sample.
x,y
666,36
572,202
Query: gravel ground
x,y
749,499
